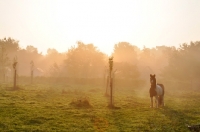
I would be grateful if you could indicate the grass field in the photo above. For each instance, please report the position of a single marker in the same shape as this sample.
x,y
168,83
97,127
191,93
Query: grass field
x,y
46,108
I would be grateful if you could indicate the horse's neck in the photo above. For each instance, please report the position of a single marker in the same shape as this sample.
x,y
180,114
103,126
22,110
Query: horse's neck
x,y
153,85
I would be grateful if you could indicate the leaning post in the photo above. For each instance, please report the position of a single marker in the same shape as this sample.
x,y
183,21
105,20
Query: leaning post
x,y
111,80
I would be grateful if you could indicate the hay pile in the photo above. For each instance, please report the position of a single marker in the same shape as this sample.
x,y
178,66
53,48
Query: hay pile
x,y
81,103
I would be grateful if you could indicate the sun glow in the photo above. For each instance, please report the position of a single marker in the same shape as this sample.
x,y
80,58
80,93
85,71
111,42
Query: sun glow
x,y
60,24
99,23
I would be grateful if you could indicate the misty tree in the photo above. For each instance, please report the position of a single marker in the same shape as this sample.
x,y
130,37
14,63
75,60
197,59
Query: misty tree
x,y
4,60
125,52
84,61
24,57
184,62
127,70
31,49
54,70
54,56
147,56
126,59
11,45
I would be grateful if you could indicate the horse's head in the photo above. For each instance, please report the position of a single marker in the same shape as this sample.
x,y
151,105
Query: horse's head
x,y
153,80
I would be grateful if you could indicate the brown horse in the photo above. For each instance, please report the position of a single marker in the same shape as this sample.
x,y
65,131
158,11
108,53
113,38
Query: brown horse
x,y
157,91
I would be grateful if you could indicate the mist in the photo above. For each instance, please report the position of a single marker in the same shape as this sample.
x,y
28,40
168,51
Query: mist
x,y
178,66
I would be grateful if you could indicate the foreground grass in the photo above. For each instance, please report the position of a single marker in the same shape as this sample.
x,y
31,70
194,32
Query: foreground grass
x,y
47,108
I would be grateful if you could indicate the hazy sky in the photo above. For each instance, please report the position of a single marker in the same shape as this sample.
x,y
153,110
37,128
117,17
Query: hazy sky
x,y
60,24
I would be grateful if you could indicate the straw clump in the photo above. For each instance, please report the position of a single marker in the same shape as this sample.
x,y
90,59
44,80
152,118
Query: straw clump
x,y
81,103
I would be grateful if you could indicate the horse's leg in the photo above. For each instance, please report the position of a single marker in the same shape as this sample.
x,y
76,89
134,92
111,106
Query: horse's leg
x,y
151,102
160,100
156,101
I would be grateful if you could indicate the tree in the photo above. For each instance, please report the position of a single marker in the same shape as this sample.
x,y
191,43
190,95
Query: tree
x,y
24,57
126,60
127,70
84,61
51,51
4,59
152,60
54,70
10,45
54,55
184,63
31,49
125,52
147,57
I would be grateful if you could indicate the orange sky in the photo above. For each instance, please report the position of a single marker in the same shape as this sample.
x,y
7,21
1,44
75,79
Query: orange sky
x,y
60,23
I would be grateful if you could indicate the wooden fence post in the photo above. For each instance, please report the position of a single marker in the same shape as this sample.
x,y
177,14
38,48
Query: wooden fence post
x,y
32,68
15,72
111,81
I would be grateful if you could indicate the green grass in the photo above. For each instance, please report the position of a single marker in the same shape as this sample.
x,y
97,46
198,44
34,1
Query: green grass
x,y
46,108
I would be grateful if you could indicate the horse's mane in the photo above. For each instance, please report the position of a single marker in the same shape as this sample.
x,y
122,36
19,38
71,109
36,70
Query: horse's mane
x,y
153,85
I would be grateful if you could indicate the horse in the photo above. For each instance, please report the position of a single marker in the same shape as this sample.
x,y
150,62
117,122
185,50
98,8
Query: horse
x,y
157,91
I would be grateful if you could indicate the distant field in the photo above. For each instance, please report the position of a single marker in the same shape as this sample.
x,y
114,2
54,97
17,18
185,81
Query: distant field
x,y
46,108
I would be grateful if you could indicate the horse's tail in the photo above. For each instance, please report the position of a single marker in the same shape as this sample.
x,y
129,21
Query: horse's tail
x,y
163,88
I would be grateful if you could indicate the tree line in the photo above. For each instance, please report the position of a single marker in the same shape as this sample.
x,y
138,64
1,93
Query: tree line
x,y
87,61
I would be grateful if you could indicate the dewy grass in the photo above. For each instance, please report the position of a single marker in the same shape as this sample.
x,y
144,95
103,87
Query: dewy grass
x,y
46,108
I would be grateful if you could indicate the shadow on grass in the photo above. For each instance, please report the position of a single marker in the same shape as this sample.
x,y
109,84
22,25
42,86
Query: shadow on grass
x,y
13,89
178,120
37,120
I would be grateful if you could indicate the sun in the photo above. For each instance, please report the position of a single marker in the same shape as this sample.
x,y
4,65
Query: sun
x,y
90,22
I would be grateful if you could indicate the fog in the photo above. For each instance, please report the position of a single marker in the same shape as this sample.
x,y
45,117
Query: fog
x,y
173,66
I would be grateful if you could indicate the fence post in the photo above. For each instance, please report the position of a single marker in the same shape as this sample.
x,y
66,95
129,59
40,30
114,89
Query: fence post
x,y
15,72
111,80
32,68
